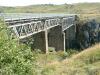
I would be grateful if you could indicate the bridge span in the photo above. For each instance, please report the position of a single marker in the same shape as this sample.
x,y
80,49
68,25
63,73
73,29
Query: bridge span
x,y
55,31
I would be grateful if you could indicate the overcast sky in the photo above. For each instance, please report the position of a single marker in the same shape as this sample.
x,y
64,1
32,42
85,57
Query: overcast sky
x,y
31,2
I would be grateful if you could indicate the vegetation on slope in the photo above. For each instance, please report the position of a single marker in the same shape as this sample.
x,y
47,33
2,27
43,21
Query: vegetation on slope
x,y
15,58
84,63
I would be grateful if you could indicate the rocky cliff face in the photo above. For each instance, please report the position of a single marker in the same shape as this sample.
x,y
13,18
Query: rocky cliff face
x,y
87,34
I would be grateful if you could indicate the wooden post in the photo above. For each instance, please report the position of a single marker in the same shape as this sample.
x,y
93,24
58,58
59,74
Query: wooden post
x,y
64,37
46,40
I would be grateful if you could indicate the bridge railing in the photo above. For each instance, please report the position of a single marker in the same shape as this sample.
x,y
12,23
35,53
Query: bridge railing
x,y
67,22
25,28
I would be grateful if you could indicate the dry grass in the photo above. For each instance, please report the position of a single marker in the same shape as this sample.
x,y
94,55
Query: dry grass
x,y
87,17
86,62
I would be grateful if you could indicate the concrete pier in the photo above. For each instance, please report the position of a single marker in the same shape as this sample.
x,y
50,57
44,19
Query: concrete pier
x,y
55,38
70,36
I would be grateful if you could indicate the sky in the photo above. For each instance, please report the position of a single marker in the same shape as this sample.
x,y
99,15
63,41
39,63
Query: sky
x,y
31,2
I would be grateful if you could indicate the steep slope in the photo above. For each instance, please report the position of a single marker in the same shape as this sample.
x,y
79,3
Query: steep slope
x,y
86,62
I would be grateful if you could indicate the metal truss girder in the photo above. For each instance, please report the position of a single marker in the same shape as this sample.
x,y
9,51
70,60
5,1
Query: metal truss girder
x,y
23,30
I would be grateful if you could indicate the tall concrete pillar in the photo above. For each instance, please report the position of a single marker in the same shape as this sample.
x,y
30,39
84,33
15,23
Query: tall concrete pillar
x,y
70,34
39,41
55,38
46,41
67,38
64,37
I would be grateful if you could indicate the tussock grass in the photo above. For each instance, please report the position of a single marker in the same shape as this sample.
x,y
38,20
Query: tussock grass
x,y
86,62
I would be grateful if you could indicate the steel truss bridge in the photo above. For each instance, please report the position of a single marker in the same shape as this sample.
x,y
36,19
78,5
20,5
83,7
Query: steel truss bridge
x,y
28,26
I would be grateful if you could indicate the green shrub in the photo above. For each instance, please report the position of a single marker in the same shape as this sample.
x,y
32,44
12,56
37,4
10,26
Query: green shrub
x,y
15,58
66,54
71,52
62,54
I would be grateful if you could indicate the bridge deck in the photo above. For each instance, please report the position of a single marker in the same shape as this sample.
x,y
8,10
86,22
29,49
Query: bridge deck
x,y
24,25
16,16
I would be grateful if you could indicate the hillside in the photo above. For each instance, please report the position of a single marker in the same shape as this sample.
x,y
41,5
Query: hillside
x,y
86,62
83,8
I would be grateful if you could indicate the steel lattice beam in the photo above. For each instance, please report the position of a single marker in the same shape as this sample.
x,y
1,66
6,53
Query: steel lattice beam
x,y
23,30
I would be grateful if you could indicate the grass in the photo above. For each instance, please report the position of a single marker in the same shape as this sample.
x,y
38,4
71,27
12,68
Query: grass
x,y
86,62
50,59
